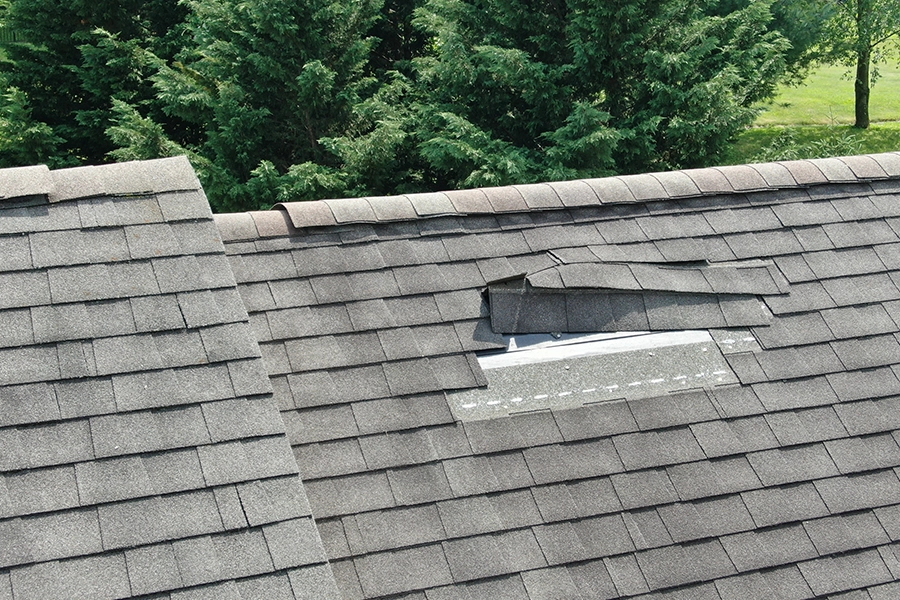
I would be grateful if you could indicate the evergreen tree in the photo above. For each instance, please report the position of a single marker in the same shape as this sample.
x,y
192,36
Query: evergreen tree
x,y
802,22
294,99
75,56
673,82
262,82
24,141
397,40
517,90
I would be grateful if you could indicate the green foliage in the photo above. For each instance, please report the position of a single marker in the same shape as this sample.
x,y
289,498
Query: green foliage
x,y
514,91
666,84
862,25
138,138
762,143
787,146
279,100
24,141
80,54
397,41
826,98
262,82
802,22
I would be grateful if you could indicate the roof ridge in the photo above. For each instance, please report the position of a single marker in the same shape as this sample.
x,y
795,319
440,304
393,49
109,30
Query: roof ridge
x,y
127,178
618,189
23,182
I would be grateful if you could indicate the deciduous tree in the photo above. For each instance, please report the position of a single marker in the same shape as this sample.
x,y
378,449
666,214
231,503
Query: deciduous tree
x,y
858,35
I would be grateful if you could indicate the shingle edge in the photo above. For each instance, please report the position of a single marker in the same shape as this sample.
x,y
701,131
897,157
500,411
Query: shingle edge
x,y
21,182
646,187
136,177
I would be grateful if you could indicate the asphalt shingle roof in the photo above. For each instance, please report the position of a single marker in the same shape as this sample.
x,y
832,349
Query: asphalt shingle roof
x,y
142,449
369,311
160,390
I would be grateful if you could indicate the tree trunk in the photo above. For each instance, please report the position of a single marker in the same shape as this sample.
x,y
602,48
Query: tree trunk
x,y
863,60
861,89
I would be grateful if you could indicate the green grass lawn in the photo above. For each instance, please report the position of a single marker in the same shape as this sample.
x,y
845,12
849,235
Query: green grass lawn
x,y
826,98
814,120
760,144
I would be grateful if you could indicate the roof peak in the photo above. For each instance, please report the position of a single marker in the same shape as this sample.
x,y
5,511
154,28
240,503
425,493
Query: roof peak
x,y
135,177
619,189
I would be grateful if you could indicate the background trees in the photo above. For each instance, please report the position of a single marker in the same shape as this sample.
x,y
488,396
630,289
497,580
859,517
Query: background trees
x,y
260,83
857,35
76,56
294,99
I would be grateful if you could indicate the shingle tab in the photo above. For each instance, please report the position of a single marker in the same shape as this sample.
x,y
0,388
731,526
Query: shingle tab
x,y
832,535
769,548
710,181
575,193
699,519
833,574
119,434
854,492
403,570
46,445
418,484
707,478
789,465
678,565
773,506
654,449
805,426
30,403
644,488
41,490
864,453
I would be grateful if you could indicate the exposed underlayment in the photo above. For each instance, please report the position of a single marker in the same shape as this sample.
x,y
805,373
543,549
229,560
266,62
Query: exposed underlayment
x,y
587,372
165,374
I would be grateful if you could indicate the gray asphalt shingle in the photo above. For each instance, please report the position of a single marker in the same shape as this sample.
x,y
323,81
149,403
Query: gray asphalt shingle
x,y
167,488
108,397
767,548
776,505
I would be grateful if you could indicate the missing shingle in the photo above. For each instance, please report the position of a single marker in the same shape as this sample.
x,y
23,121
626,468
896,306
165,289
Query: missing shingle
x,y
541,372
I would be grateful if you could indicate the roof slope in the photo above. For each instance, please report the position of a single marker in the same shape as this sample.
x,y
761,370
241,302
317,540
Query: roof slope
x,y
369,312
141,451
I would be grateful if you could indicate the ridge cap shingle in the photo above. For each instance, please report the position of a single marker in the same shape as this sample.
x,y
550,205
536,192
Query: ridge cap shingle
x,y
127,178
623,189
21,182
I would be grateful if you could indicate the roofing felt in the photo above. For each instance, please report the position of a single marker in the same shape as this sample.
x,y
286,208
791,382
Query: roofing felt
x,y
142,450
370,312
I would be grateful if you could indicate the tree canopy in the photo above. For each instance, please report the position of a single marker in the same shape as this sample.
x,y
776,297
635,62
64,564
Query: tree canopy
x,y
295,99
857,35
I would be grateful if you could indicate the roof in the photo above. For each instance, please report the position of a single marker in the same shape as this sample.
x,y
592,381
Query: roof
x,y
369,316
370,311
141,450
